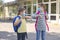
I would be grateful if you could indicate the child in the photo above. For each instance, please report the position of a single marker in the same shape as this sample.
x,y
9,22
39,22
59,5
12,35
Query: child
x,y
41,22
19,24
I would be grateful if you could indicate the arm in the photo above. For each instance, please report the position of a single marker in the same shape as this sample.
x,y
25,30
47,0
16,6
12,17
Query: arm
x,y
46,16
17,21
28,17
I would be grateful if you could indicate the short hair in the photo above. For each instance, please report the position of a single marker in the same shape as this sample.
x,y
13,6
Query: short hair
x,y
20,10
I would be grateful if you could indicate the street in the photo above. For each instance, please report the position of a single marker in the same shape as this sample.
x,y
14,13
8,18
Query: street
x,y
7,33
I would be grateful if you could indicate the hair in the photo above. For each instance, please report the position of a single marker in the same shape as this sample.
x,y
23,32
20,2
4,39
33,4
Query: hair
x,y
20,10
43,5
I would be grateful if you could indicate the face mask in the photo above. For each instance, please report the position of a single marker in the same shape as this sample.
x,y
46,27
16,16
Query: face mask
x,y
38,9
23,14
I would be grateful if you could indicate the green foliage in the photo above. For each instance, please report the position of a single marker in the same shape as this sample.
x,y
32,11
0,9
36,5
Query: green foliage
x,y
1,7
0,13
29,9
53,0
46,0
0,2
39,1
34,1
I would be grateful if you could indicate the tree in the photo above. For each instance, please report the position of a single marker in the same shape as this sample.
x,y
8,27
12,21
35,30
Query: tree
x,y
0,2
1,7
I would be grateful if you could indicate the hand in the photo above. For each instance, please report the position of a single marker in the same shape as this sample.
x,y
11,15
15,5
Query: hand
x,y
30,17
20,20
46,17
40,16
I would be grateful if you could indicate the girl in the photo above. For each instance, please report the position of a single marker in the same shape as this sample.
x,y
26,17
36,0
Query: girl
x,y
19,24
41,22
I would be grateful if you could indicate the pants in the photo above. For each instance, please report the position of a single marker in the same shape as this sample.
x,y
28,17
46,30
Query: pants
x,y
40,35
21,36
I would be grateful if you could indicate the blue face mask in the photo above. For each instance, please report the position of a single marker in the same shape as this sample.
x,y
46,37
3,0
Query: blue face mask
x,y
38,9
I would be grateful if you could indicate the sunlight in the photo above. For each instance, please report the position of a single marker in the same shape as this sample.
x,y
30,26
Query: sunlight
x,y
5,1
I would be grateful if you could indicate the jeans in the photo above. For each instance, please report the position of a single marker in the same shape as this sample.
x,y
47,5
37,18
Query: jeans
x,y
40,35
21,36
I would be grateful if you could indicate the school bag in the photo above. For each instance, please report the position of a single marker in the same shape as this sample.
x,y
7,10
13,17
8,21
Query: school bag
x,y
17,26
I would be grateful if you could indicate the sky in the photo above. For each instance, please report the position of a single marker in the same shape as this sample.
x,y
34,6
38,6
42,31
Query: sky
x,y
5,1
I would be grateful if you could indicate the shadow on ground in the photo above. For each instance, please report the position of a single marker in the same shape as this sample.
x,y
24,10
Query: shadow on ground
x,y
7,36
31,36
6,21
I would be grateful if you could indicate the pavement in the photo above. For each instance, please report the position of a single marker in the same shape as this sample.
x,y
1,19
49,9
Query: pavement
x,y
7,33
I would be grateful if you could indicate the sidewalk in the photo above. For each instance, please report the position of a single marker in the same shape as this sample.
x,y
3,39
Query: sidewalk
x,y
30,27
7,33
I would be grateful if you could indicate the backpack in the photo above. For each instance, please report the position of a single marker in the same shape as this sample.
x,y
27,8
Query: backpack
x,y
17,26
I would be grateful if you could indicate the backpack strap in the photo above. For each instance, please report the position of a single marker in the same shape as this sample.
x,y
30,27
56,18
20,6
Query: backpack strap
x,y
37,21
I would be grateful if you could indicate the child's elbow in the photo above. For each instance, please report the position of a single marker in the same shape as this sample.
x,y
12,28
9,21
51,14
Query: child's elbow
x,y
15,24
47,17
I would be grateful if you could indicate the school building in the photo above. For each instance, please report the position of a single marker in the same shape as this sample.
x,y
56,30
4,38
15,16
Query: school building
x,y
52,7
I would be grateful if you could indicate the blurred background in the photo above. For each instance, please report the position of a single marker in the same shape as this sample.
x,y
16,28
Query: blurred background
x,y
9,8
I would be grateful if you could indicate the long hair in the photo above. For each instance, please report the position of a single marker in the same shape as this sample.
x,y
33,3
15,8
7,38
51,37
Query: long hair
x,y
43,5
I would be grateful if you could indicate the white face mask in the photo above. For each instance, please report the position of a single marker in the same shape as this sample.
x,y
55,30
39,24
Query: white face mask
x,y
23,14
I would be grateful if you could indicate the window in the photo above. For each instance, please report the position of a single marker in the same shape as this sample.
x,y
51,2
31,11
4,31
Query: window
x,y
53,8
12,11
53,0
27,3
39,1
29,9
46,0
59,11
53,18
46,5
34,9
59,17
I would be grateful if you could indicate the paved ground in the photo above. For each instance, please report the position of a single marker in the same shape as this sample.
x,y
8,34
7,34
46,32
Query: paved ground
x,y
7,33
